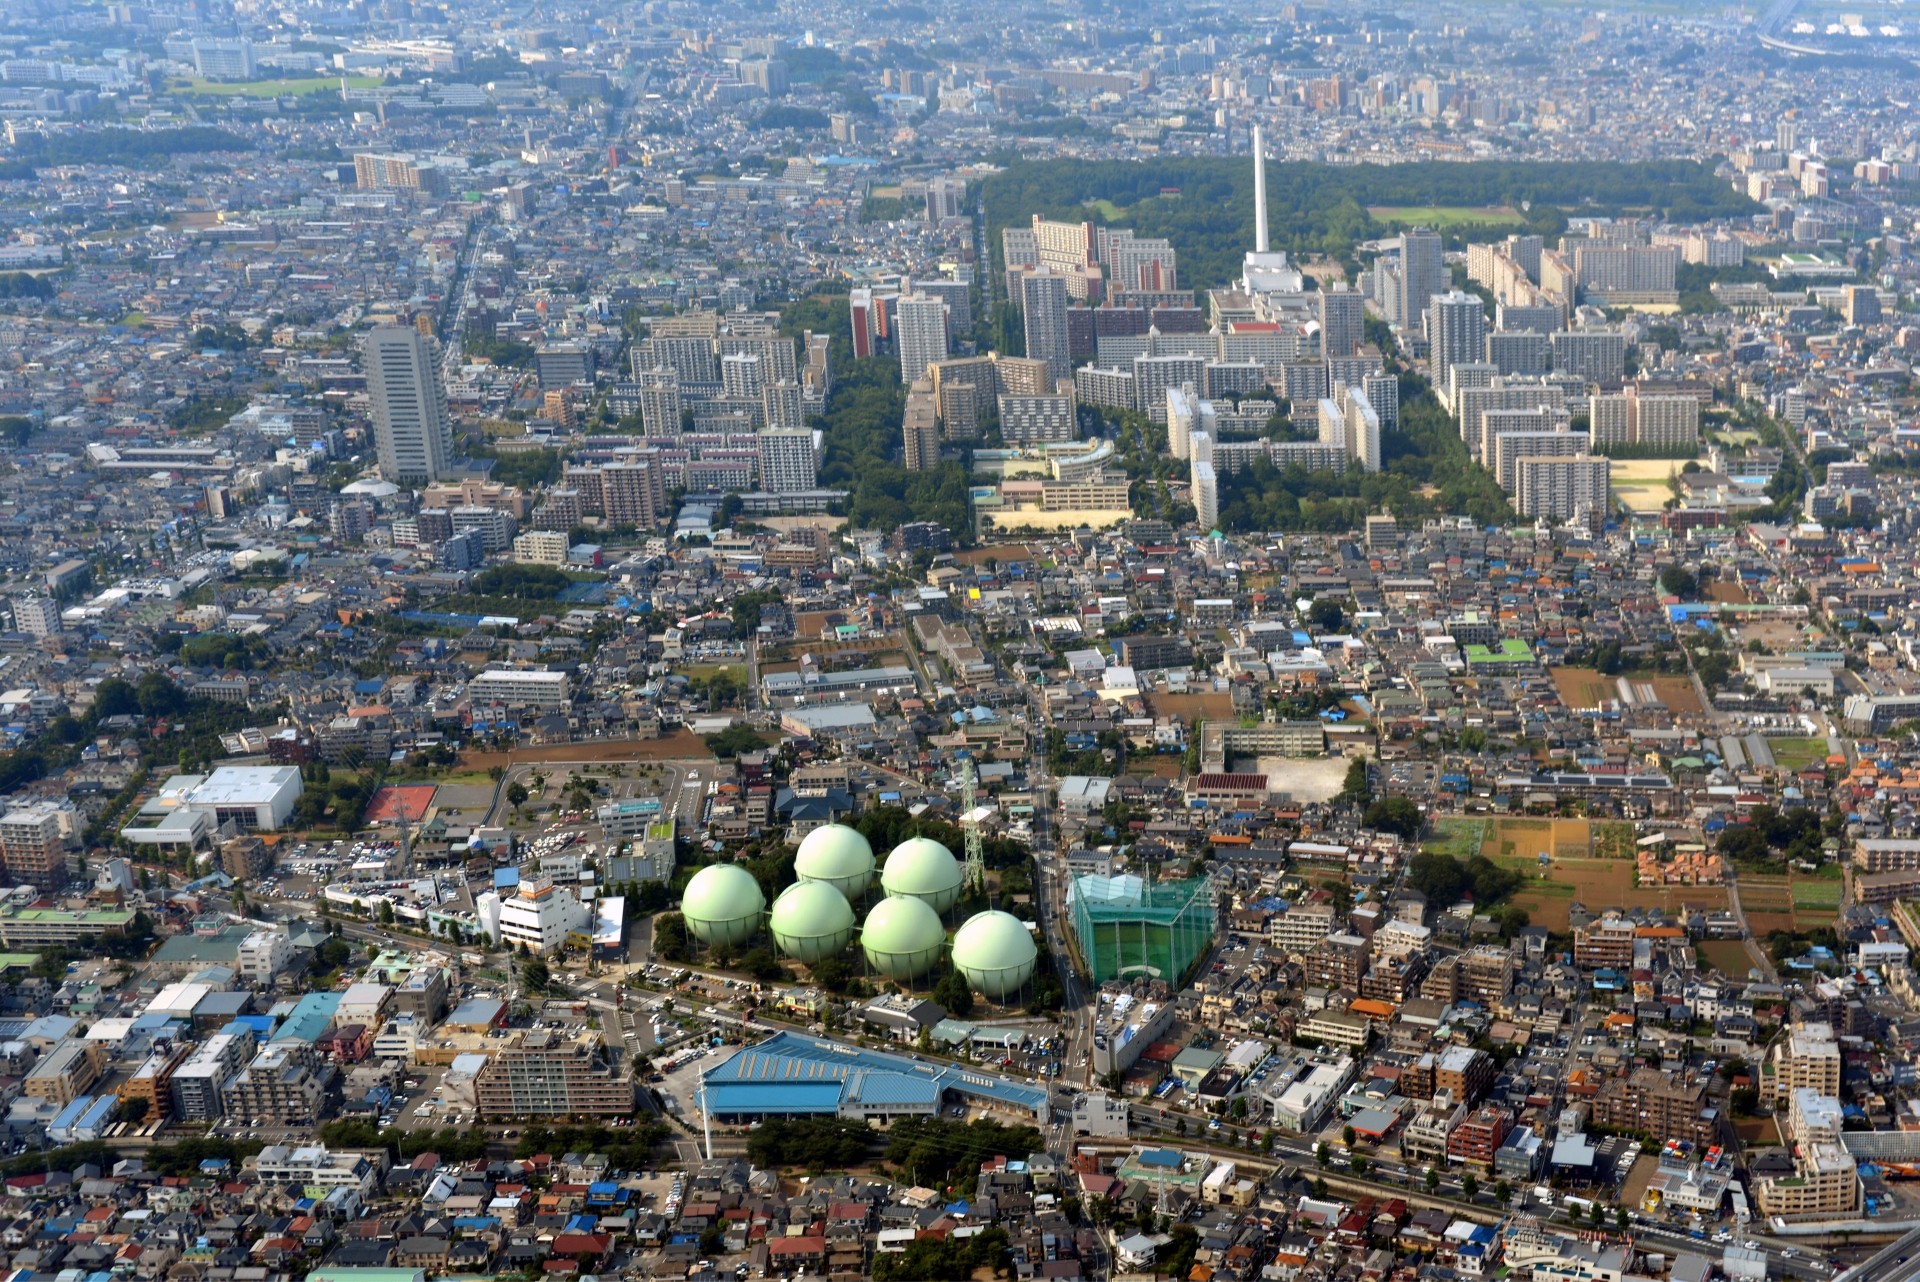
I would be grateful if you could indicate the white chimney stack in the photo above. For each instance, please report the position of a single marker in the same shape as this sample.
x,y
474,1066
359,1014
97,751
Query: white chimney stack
x,y
1259,194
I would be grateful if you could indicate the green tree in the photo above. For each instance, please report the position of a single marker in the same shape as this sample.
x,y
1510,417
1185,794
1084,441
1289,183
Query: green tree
x,y
954,993
1470,1185
1396,815
1433,1179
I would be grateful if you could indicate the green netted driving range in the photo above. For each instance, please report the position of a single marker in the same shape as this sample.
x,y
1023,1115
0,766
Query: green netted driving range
x,y
1127,926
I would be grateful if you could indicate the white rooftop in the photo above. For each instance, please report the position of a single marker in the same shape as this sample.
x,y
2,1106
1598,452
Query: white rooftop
x,y
242,785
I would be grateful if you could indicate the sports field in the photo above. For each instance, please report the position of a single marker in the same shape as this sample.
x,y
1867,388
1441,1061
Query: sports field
x,y
1798,753
400,803
281,88
1640,484
1443,217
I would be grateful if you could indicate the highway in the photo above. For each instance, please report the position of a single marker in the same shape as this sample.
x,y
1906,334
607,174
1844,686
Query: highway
x,y
1898,1261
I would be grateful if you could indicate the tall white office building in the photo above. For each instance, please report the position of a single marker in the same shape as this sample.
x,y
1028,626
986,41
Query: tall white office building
x,y
1456,333
1043,304
1187,415
1204,482
1363,434
920,326
1383,393
1343,315
788,462
784,405
411,431
1423,273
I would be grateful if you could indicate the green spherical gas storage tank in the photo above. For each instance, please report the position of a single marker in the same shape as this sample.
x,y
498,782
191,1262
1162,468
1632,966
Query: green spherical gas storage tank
x,y
902,937
722,905
837,855
921,868
996,953
811,921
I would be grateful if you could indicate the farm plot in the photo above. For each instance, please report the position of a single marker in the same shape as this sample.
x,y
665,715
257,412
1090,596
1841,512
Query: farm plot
x,y
1598,884
1582,687
1728,956
1560,838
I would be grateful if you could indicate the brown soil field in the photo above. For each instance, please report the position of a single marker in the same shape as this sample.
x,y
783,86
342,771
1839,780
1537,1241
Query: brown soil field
x,y
1732,592
1582,687
1599,884
1212,706
1677,693
1526,838
1728,956
682,745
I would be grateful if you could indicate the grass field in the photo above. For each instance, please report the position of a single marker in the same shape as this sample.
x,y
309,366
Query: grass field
x,y
1458,836
1798,753
1107,209
268,88
1444,217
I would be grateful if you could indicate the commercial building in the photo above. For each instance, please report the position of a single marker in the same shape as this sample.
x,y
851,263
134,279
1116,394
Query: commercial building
x,y
411,431
791,1074
189,809
549,1074
538,916
264,954
1302,1105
